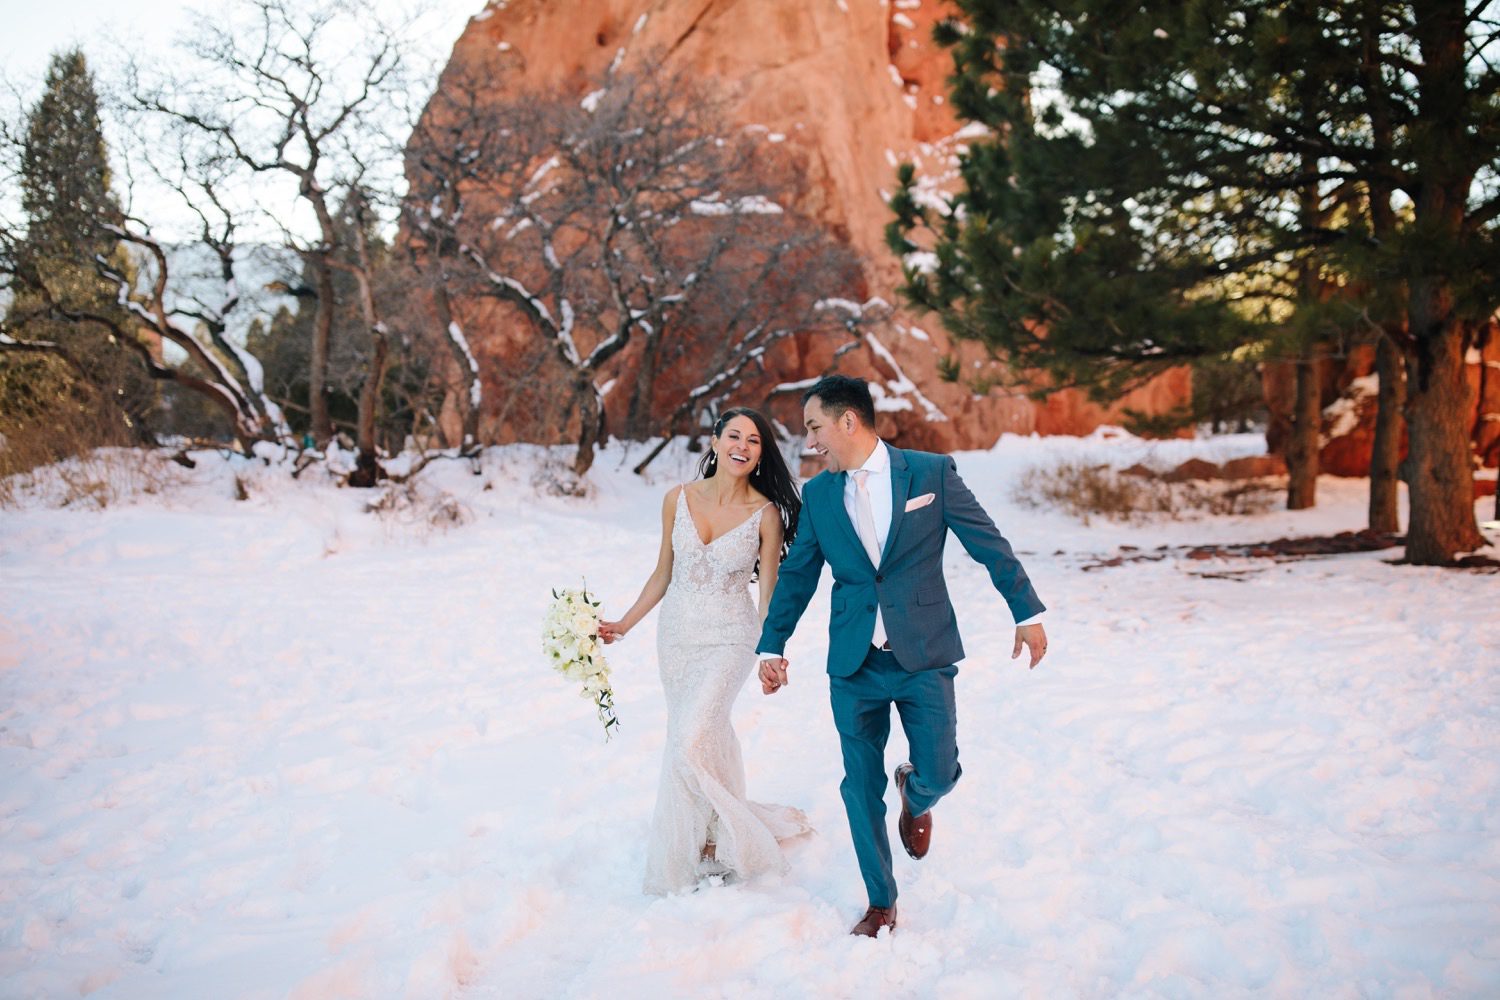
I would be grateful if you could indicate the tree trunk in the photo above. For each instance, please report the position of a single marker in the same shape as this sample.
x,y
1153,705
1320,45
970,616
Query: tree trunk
x,y
1389,425
468,400
1307,408
317,372
1440,484
1302,446
590,424
643,393
1439,404
367,471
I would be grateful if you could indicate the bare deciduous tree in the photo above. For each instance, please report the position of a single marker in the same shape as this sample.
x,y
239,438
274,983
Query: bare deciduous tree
x,y
291,97
635,219
150,309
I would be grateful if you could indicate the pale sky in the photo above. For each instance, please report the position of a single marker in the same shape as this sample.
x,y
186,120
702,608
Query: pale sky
x,y
110,33
34,30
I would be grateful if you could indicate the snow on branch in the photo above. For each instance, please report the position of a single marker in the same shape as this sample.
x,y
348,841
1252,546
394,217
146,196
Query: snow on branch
x,y
900,386
456,335
748,205
798,386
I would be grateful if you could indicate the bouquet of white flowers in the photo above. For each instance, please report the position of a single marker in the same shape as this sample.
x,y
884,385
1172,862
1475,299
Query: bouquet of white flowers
x,y
570,641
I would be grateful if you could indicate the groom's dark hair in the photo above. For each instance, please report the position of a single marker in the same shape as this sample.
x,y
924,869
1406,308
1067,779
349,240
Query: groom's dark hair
x,y
837,393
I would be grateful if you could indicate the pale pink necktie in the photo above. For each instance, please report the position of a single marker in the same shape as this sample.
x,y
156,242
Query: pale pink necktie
x,y
865,515
865,528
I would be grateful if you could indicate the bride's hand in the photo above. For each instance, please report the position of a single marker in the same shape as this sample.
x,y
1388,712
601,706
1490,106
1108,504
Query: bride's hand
x,y
611,632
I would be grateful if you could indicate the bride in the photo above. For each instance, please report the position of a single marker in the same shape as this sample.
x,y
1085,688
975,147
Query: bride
x,y
719,533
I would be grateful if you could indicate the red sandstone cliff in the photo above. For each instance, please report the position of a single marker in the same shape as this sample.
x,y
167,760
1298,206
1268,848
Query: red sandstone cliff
x,y
1348,389
851,88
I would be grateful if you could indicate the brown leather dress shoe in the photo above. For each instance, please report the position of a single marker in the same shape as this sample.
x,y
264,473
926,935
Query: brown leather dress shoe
x,y
875,918
916,831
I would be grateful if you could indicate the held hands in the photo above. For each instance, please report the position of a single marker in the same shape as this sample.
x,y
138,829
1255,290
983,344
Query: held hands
x,y
773,669
1034,637
773,674
611,631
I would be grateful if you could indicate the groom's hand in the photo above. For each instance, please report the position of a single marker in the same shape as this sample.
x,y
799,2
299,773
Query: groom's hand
x,y
773,674
1034,638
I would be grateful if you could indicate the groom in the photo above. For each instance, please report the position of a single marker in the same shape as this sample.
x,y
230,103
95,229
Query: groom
x,y
879,517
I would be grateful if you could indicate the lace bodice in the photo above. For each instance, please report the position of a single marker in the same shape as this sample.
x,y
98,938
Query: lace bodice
x,y
723,566
709,594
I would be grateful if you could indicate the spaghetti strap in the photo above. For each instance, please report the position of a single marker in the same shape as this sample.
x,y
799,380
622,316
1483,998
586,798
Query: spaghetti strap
x,y
687,511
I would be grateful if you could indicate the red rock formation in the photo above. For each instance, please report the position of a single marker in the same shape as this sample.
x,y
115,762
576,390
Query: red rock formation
x,y
1249,467
1484,377
1193,468
1349,397
852,88
1253,467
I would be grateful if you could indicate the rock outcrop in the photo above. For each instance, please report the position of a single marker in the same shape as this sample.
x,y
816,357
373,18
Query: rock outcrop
x,y
850,88
1349,387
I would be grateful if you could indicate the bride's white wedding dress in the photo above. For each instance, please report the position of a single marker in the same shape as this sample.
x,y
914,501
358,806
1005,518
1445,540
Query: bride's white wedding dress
x,y
706,647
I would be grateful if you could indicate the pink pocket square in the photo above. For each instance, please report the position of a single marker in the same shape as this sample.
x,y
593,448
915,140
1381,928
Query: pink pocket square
x,y
917,503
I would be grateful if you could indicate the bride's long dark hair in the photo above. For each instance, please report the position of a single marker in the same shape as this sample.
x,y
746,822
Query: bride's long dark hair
x,y
771,477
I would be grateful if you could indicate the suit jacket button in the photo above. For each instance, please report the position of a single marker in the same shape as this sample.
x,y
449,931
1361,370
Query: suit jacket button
x,y
879,578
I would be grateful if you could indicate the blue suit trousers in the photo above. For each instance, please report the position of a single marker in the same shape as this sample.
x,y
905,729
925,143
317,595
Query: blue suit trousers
x,y
862,713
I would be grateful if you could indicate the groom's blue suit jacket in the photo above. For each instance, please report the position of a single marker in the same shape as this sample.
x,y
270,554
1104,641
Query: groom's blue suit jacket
x,y
908,584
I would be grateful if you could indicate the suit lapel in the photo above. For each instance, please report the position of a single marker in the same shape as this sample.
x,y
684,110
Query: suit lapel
x,y
841,514
900,484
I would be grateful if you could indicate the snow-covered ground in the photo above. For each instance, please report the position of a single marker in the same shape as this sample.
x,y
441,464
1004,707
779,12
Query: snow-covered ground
x,y
283,747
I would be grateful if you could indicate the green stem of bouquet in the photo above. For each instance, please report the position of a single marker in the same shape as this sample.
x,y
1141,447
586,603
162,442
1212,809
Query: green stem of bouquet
x,y
606,704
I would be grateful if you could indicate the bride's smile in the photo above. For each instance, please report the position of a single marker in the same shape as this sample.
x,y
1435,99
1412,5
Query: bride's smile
x,y
738,448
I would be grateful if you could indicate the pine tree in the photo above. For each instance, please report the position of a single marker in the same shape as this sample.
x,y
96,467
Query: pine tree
x,y
66,200
1194,177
